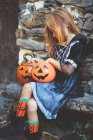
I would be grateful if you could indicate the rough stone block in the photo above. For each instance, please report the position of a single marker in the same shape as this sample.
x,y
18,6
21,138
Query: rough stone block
x,y
80,3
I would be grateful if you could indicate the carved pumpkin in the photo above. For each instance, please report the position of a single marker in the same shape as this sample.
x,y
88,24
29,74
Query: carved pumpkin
x,y
24,72
43,72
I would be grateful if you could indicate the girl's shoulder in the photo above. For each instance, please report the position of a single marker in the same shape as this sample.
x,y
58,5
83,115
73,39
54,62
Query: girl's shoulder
x,y
84,42
76,42
78,37
76,46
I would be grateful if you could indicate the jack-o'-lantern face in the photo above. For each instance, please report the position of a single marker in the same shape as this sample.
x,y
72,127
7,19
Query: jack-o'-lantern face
x,y
24,72
43,72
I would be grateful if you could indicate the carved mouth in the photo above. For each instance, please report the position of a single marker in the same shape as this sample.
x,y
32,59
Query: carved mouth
x,y
27,77
41,77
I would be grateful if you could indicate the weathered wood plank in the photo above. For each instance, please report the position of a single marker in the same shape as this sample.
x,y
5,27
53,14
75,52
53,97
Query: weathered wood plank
x,y
8,49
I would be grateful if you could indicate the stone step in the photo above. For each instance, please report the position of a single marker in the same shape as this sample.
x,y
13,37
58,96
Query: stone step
x,y
83,104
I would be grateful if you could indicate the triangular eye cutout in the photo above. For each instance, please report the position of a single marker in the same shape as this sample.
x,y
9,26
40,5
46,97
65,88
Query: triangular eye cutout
x,y
36,67
21,68
45,67
26,71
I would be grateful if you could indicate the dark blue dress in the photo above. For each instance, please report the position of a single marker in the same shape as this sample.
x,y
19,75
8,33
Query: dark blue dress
x,y
50,97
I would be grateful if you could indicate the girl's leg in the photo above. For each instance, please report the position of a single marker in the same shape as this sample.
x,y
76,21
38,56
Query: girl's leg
x,y
26,91
32,116
25,96
33,122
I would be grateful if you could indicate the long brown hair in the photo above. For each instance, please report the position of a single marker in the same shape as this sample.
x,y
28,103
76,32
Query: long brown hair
x,y
55,24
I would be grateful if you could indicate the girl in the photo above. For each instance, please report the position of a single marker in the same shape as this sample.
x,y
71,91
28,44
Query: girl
x,y
66,52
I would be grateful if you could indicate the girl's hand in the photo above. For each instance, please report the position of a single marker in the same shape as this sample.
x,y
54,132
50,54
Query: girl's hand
x,y
36,60
55,63
67,69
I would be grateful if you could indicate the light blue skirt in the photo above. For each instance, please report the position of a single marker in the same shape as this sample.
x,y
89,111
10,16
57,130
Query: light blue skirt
x,y
50,97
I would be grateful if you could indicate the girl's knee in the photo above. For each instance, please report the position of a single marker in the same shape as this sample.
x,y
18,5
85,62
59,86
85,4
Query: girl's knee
x,y
32,105
27,88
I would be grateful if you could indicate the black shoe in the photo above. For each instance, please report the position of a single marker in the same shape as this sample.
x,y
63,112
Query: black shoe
x,y
33,136
11,130
16,120
8,131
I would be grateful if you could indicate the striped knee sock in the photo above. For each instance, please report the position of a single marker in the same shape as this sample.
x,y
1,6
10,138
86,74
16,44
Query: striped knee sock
x,y
32,127
21,110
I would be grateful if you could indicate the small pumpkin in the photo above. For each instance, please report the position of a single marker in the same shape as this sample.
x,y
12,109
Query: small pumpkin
x,y
43,72
24,72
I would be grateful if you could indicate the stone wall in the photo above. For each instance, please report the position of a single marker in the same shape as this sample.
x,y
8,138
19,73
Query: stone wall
x,y
30,36
30,40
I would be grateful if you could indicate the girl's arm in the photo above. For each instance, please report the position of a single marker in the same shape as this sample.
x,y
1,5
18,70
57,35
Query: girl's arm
x,y
66,68
55,63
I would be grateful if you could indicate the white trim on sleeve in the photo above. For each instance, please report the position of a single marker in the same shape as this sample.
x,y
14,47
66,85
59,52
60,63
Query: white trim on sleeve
x,y
71,62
